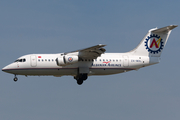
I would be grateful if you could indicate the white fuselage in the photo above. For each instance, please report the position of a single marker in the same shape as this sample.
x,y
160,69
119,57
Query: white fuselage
x,y
108,63
93,60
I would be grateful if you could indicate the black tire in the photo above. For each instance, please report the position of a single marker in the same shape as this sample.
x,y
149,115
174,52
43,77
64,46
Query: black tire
x,y
84,76
80,78
15,79
79,82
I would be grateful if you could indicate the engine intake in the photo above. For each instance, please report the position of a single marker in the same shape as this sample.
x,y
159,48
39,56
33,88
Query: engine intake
x,y
66,60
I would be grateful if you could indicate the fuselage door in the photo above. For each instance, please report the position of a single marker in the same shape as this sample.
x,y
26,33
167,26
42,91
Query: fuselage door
x,y
33,61
125,61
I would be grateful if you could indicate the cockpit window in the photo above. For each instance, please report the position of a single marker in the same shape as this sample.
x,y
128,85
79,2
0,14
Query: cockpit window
x,y
24,60
20,60
16,61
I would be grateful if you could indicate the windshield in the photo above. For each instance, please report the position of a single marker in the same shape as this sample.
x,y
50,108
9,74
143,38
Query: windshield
x,y
20,60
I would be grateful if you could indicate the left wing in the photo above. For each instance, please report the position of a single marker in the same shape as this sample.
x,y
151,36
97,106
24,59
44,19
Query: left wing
x,y
90,52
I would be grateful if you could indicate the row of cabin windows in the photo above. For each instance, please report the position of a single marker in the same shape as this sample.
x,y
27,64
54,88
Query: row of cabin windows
x,y
86,60
81,60
109,60
46,60
101,60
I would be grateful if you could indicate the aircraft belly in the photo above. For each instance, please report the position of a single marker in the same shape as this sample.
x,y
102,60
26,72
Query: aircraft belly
x,y
54,72
101,71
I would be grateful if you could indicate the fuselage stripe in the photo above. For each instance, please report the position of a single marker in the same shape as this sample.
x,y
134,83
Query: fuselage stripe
x,y
62,68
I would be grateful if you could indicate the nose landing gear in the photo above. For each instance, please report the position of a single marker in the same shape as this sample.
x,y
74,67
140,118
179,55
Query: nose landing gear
x,y
15,78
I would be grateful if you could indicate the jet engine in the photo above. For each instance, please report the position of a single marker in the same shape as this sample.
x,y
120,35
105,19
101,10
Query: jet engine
x,y
66,60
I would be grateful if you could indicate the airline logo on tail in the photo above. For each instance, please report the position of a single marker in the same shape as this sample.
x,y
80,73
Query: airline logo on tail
x,y
154,44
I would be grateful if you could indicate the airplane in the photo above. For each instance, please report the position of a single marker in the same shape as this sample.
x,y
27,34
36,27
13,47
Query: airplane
x,y
93,60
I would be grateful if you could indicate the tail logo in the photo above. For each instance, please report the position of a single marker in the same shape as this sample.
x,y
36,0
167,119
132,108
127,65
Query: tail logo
x,y
154,44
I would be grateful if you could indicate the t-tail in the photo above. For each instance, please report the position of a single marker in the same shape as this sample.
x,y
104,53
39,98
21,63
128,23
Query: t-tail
x,y
154,42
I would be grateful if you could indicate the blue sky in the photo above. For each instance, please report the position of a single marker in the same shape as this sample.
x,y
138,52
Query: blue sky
x,y
64,25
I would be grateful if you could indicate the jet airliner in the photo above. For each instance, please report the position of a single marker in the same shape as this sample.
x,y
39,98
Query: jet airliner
x,y
93,60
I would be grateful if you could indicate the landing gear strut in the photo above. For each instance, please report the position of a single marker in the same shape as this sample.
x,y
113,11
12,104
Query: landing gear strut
x,y
80,78
15,78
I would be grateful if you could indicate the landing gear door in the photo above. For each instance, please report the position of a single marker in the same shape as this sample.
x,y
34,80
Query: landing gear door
x,y
33,61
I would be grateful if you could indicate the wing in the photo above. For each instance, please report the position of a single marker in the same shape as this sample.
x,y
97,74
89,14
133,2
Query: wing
x,y
90,52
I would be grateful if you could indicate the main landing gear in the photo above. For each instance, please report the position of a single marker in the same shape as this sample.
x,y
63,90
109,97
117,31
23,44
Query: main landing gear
x,y
80,78
15,78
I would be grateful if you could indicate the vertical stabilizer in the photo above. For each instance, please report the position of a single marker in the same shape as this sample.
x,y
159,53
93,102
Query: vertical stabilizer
x,y
154,42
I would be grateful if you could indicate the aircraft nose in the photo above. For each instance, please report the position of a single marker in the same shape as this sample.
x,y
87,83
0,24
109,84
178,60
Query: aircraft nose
x,y
8,68
5,68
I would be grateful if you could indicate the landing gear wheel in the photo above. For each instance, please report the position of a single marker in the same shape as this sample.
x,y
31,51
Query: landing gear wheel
x,y
15,79
80,78
79,82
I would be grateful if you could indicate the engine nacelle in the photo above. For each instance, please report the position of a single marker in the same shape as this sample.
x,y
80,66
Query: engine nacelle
x,y
66,60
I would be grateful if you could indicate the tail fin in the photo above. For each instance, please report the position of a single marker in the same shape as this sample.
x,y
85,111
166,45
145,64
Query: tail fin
x,y
154,42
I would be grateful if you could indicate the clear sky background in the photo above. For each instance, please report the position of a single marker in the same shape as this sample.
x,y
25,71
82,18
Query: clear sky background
x,y
54,26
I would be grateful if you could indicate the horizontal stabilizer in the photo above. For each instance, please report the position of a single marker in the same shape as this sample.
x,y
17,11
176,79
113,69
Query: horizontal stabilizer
x,y
164,29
